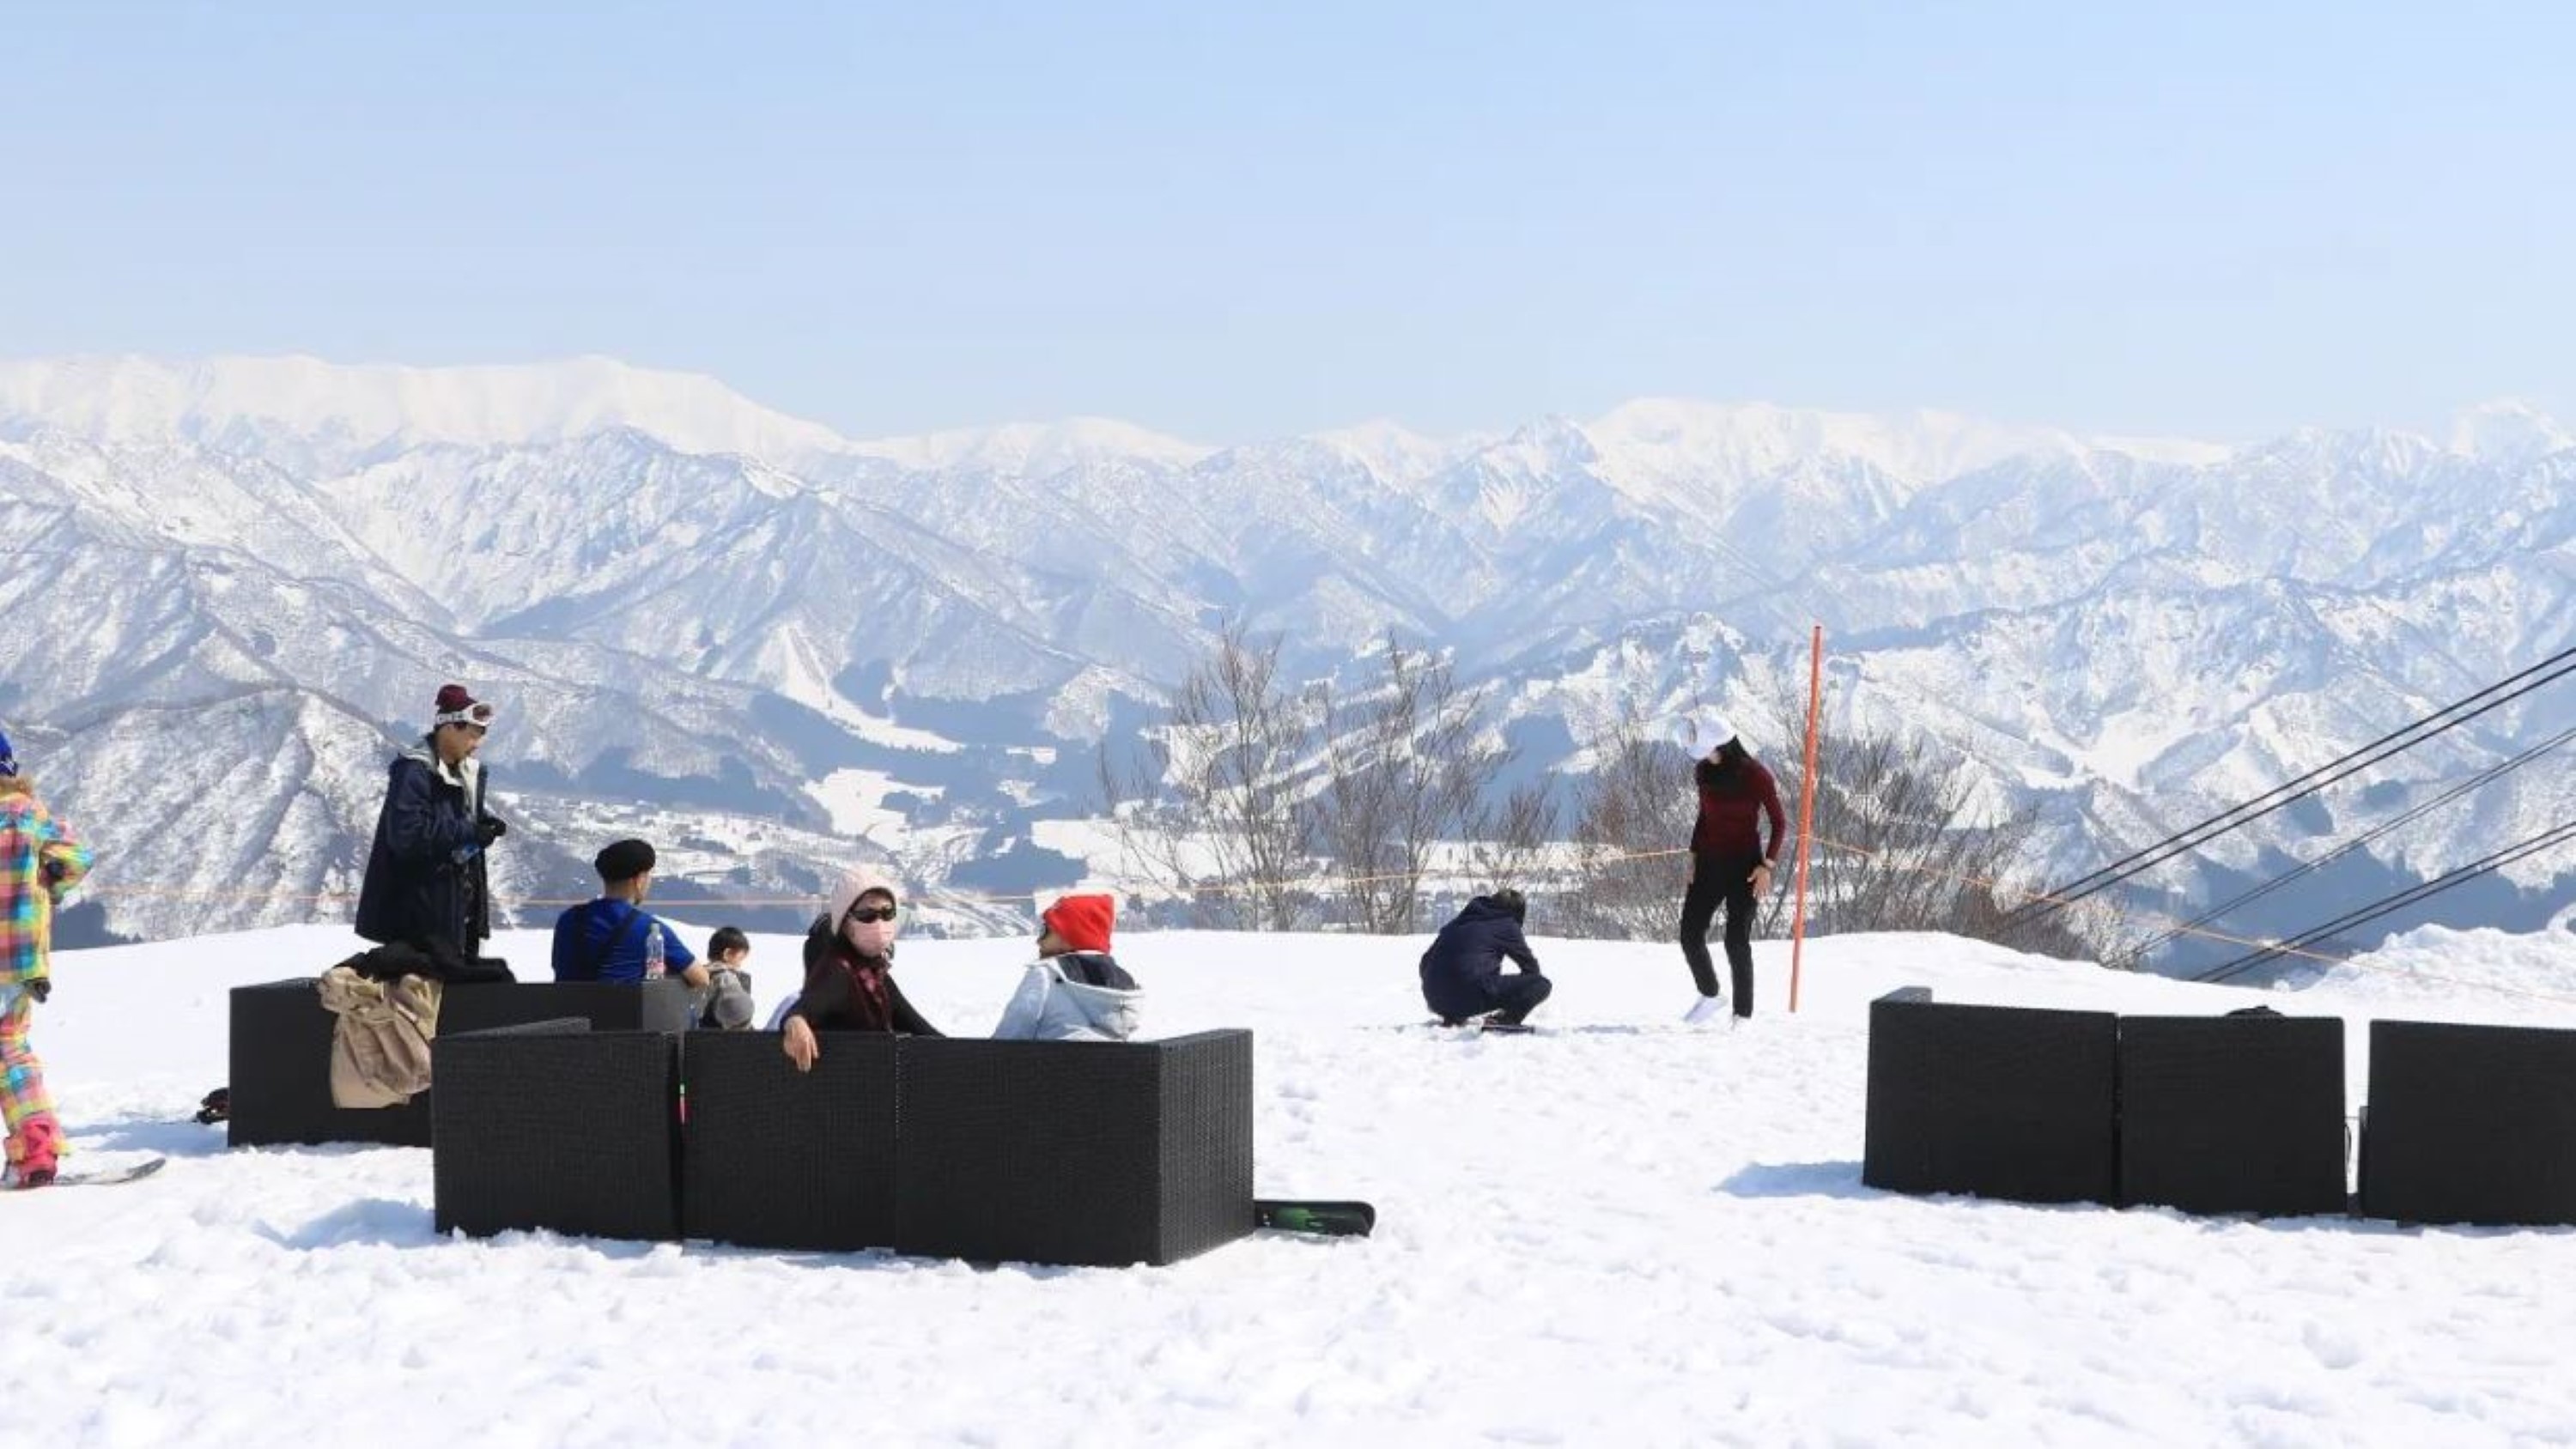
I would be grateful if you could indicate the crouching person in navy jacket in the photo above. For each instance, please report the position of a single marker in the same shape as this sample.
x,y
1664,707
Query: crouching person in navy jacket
x,y
1462,973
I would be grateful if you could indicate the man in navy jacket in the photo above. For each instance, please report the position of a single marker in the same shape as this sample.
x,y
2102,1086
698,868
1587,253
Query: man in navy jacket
x,y
1462,973
426,880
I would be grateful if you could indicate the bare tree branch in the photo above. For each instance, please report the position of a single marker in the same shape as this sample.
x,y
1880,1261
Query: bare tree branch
x,y
1631,813
1214,806
1407,764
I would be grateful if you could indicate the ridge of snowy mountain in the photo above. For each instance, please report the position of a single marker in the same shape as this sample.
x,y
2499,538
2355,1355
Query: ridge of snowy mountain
x,y
2507,430
1395,453
240,404
697,611
1032,449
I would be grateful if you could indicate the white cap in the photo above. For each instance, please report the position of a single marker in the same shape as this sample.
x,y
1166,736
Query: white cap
x,y
1703,731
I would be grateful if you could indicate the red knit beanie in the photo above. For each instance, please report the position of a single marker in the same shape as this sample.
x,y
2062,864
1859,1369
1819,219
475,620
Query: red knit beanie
x,y
455,706
1082,921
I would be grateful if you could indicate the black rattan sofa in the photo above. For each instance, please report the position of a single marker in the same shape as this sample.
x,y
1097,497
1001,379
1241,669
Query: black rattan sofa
x,y
1084,1153
2233,1114
552,1125
281,1051
2230,1114
1998,1101
2470,1124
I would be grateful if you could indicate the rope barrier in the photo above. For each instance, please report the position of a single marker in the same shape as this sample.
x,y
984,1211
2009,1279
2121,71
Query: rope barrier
x,y
1988,883
1308,885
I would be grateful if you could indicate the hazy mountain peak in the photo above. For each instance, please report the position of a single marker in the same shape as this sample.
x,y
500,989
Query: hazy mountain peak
x,y
247,400
1650,444
1396,453
1034,449
2507,430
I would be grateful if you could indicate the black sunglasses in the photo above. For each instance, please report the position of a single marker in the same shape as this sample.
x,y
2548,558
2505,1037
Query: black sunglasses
x,y
870,915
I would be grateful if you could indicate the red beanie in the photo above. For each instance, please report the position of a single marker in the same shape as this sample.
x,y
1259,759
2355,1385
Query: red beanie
x,y
455,706
1083,921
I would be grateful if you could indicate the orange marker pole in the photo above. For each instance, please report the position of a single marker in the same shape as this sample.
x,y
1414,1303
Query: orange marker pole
x,y
1806,808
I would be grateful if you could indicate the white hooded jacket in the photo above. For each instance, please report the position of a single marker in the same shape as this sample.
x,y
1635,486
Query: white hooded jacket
x,y
1050,1006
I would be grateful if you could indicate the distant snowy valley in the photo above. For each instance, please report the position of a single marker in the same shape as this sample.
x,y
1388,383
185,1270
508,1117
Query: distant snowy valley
x,y
235,584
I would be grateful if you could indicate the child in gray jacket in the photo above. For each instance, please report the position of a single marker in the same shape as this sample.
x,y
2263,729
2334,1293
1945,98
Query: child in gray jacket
x,y
727,1005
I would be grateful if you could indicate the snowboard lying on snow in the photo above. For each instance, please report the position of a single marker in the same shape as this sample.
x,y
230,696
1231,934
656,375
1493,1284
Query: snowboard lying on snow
x,y
104,1176
1330,1219
1478,1026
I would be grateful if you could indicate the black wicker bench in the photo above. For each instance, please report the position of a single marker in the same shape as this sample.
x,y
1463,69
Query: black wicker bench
x,y
1996,1101
1074,1152
280,1075
552,1125
1088,1153
1044,1152
2232,1114
783,1159
2470,1124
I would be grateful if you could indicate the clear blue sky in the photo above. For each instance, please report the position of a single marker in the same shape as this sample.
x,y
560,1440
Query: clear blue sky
x,y
1234,220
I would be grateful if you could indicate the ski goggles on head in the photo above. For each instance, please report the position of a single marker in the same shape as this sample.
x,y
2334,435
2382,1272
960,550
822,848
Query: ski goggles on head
x,y
478,715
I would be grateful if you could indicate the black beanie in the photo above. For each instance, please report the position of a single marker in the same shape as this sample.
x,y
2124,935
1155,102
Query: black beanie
x,y
624,860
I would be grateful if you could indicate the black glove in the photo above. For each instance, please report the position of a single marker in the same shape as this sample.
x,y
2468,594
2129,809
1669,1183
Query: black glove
x,y
489,829
41,988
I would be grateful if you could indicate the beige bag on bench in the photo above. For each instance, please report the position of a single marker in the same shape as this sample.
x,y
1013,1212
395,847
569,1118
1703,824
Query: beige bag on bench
x,y
380,1046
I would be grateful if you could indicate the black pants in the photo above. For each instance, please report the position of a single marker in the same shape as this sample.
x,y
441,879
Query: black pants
x,y
1513,996
1518,994
1730,880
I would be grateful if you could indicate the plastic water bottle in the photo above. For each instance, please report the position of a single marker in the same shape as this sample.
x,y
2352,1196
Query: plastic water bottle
x,y
653,968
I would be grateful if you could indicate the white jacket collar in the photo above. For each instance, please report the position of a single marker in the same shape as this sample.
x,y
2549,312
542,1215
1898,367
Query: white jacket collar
x,y
462,775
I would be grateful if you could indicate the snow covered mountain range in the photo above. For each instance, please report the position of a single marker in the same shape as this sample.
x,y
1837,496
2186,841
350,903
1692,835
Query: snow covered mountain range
x,y
232,585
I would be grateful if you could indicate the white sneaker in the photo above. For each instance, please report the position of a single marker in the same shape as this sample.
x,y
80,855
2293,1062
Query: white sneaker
x,y
1705,1011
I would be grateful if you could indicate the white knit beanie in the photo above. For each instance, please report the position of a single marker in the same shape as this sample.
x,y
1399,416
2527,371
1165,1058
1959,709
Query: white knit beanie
x,y
854,885
1702,731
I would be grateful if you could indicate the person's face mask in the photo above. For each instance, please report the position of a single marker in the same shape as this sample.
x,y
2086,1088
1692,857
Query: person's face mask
x,y
869,928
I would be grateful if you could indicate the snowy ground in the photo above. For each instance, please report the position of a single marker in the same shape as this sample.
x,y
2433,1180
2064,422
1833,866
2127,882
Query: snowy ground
x,y
1622,1232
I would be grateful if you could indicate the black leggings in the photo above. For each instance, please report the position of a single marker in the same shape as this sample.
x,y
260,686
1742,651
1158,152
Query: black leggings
x,y
1730,880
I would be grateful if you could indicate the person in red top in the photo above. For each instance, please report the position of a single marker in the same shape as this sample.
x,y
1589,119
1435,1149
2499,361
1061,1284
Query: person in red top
x,y
1729,861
